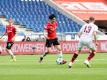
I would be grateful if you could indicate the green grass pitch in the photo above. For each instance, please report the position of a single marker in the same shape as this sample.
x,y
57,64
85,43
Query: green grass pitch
x,y
27,68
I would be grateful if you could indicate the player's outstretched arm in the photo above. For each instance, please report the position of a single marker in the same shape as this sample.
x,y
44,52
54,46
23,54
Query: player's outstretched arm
x,y
79,34
95,38
45,34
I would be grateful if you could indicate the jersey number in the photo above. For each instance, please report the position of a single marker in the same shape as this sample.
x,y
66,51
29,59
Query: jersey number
x,y
87,29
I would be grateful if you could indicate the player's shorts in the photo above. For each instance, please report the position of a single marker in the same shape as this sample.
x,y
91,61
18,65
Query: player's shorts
x,y
9,45
50,42
89,44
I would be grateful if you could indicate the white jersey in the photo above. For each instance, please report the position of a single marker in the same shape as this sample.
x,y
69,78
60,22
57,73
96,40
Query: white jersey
x,y
87,31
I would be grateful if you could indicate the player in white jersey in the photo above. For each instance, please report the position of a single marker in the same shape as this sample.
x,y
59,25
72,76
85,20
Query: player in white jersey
x,y
87,36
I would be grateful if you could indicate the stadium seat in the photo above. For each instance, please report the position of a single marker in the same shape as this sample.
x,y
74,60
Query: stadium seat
x,y
34,14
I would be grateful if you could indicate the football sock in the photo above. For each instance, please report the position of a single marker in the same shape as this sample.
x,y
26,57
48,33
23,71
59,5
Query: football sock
x,y
91,55
74,57
45,54
60,55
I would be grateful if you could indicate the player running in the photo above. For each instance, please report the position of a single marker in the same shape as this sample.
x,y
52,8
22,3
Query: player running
x,y
10,32
87,36
51,38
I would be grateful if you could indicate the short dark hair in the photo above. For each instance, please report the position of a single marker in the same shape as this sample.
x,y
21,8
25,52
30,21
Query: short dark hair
x,y
52,16
91,18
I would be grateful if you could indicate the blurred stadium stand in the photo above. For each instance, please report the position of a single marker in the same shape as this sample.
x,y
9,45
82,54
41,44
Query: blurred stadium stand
x,y
34,14
80,10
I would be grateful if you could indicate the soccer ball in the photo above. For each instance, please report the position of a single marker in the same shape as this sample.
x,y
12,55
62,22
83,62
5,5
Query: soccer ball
x,y
60,61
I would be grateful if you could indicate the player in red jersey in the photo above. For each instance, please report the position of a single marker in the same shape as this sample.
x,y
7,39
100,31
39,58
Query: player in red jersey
x,y
10,32
51,38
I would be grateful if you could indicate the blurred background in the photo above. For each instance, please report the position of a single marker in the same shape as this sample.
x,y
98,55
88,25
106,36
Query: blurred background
x,y
30,16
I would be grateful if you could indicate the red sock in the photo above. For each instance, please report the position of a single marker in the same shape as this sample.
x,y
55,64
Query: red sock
x,y
91,55
74,57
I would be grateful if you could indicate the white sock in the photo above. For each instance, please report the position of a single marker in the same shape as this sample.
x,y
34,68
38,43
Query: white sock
x,y
86,61
70,63
60,55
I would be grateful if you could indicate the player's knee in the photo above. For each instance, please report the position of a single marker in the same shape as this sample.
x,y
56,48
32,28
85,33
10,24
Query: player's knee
x,y
77,52
47,52
58,48
93,52
75,55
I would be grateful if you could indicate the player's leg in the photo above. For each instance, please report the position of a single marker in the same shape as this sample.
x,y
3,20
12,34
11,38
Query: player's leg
x,y
60,55
58,47
92,53
74,57
75,54
8,49
47,52
44,54
0,45
48,46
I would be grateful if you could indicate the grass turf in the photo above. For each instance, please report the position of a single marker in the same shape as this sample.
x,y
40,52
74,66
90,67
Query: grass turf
x,y
27,68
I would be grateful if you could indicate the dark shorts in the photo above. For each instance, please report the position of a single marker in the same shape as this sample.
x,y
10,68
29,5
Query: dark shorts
x,y
9,45
50,42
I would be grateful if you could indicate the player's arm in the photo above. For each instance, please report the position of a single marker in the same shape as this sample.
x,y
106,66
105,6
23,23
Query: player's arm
x,y
95,38
53,28
45,31
1,40
95,35
100,33
79,34
6,31
45,34
4,34
13,39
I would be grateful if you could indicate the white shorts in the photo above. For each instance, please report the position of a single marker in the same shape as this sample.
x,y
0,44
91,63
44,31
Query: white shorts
x,y
89,44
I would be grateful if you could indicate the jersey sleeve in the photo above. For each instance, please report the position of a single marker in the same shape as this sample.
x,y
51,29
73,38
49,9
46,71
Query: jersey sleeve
x,y
96,28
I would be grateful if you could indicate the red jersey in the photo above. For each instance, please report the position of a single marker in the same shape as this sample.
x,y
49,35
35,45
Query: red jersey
x,y
51,30
10,30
